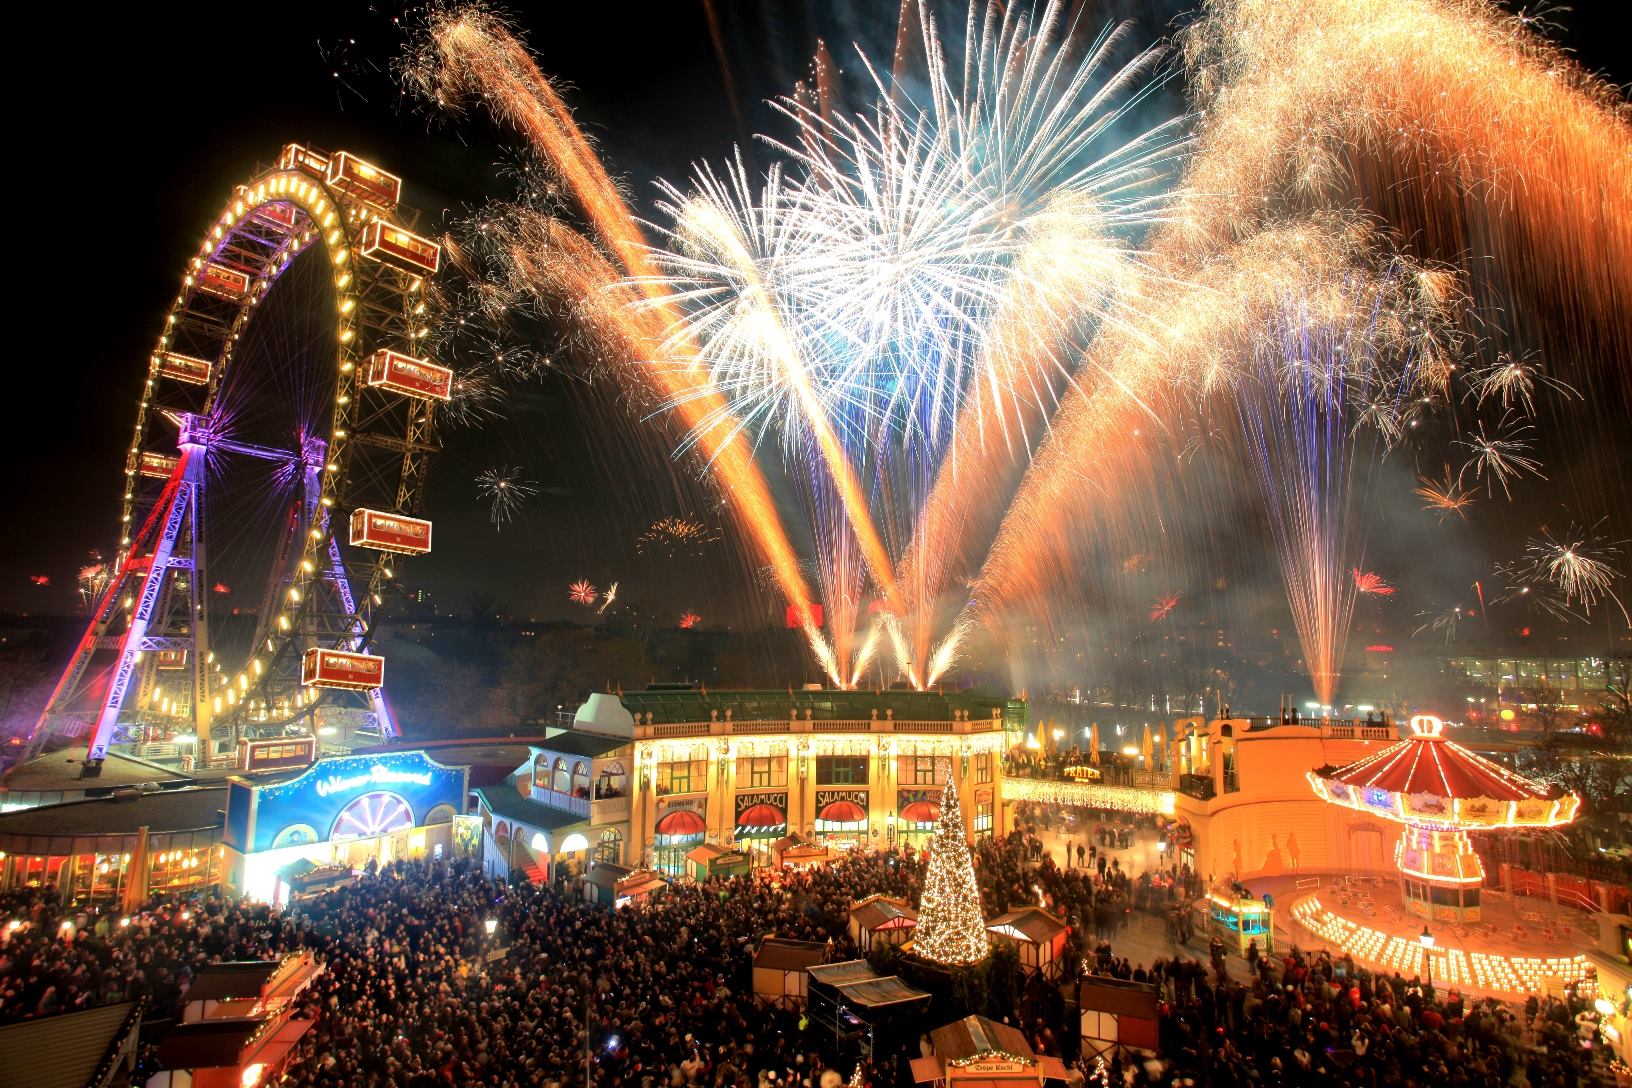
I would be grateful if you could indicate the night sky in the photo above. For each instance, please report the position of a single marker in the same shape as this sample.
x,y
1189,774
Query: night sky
x,y
139,135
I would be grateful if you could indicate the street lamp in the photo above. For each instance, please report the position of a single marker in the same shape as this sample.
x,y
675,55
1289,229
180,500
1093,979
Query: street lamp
x,y
1427,941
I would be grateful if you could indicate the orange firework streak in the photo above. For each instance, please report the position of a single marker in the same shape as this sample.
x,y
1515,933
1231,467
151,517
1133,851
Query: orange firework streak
x,y
476,50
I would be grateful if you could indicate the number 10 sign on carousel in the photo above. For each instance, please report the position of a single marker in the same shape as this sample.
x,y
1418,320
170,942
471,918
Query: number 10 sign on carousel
x,y
272,487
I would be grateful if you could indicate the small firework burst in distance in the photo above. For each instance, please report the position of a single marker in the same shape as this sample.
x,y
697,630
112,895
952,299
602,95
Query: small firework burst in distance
x,y
583,592
506,491
1367,582
671,537
1164,607
1580,564
689,620
1445,497
41,580
607,599
1500,457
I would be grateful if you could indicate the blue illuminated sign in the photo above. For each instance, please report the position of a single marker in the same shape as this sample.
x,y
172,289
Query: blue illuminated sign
x,y
350,797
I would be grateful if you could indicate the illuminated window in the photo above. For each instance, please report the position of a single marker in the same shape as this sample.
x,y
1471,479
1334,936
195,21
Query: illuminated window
x,y
841,770
983,767
918,771
983,817
682,776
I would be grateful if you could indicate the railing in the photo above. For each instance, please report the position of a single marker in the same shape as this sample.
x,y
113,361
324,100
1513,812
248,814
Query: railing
x,y
565,802
1358,731
724,727
1199,786
757,727
673,729
609,811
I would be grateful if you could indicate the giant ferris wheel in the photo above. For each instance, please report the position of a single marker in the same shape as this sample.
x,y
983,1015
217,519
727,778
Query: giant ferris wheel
x,y
274,482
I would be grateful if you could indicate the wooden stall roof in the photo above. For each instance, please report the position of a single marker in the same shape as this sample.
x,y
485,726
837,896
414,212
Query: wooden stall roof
x,y
977,1035
1032,924
883,912
781,954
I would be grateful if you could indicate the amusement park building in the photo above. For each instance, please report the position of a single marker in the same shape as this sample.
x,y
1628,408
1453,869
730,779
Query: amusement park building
x,y
690,782
1241,791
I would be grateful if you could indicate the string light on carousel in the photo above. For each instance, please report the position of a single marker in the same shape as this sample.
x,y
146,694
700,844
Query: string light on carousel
x,y
1440,792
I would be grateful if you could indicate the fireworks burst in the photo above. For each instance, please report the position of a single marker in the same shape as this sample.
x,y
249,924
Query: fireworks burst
x,y
606,601
583,592
962,287
1498,458
506,491
92,580
1367,582
41,580
1581,566
673,537
1512,382
1444,623
1445,497
1164,607
688,620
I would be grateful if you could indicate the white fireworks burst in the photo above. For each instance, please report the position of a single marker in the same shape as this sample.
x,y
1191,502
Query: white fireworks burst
x,y
506,490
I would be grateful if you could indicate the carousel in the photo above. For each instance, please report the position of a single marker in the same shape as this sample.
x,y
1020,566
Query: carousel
x,y
1440,793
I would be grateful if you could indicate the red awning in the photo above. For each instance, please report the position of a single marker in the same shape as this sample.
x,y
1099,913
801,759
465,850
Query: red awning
x,y
760,816
843,812
681,821
921,812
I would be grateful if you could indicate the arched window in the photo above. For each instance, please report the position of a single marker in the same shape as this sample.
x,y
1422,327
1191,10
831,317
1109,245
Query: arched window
x,y
541,771
563,777
610,848
613,780
580,779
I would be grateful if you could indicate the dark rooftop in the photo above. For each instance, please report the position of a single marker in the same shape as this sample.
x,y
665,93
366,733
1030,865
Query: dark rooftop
x,y
582,744
505,801
781,954
59,770
63,1051
158,811
230,981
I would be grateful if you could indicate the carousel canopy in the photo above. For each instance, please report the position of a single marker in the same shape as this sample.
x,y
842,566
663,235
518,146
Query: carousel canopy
x,y
1430,779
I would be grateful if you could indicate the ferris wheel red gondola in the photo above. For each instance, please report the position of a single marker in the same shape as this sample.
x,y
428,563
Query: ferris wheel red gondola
x,y
282,439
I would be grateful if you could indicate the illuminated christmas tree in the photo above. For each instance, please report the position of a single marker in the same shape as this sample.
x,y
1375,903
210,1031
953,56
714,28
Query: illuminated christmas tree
x,y
951,928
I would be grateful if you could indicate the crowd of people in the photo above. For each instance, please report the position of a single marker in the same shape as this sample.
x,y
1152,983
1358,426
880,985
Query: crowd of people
x,y
413,994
